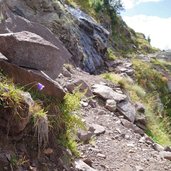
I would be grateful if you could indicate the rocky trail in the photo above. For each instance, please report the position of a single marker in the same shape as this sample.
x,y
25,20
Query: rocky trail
x,y
52,44
112,142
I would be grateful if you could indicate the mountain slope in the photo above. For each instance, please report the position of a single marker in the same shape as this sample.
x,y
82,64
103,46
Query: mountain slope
x,y
109,112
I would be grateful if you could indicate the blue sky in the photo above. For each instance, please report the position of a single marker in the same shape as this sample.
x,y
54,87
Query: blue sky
x,y
151,17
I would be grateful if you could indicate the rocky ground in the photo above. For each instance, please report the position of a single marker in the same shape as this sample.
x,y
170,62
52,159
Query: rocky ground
x,y
30,54
112,142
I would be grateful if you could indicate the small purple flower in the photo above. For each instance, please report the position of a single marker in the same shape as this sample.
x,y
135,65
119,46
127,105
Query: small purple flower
x,y
40,86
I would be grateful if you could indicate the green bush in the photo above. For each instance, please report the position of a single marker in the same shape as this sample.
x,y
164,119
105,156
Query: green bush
x,y
111,55
72,120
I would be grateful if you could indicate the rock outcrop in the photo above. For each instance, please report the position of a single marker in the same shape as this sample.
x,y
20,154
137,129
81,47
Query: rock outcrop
x,y
93,40
14,23
83,37
30,78
29,50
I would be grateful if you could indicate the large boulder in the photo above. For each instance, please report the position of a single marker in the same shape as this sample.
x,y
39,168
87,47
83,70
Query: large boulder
x,y
107,93
15,23
32,51
127,109
30,79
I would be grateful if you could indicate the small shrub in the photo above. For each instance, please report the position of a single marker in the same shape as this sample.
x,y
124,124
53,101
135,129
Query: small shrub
x,y
111,55
139,90
16,162
117,79
9,91
72,120
40,122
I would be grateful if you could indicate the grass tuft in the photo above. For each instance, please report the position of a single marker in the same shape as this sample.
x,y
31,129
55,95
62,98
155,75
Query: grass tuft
x,y
111,55
72,120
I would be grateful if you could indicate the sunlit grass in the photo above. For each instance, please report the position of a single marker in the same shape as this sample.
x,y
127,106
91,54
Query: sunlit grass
x,y
156,127
9,91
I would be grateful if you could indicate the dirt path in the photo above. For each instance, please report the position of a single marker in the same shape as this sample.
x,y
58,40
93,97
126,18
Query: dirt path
x,y
118,148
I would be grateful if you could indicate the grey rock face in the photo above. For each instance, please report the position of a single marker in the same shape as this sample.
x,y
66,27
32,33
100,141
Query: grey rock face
x,y
93,40
83,37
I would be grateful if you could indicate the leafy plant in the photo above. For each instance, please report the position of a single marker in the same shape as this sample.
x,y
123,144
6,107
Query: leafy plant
x,y
15,161
110,54
9,91
72,120
40,122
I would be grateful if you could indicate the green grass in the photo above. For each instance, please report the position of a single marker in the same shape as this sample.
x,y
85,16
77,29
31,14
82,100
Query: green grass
x,y
148,77
156,126
16,162
9,91
155,84
111,55
63,119
165,65
70,110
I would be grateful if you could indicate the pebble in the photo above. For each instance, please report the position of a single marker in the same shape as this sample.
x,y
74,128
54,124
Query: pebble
x,y
97,129
139,168
101,155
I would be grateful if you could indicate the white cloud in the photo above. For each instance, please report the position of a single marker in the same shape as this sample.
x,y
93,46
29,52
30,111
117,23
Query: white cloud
x,y
157,28
131,3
